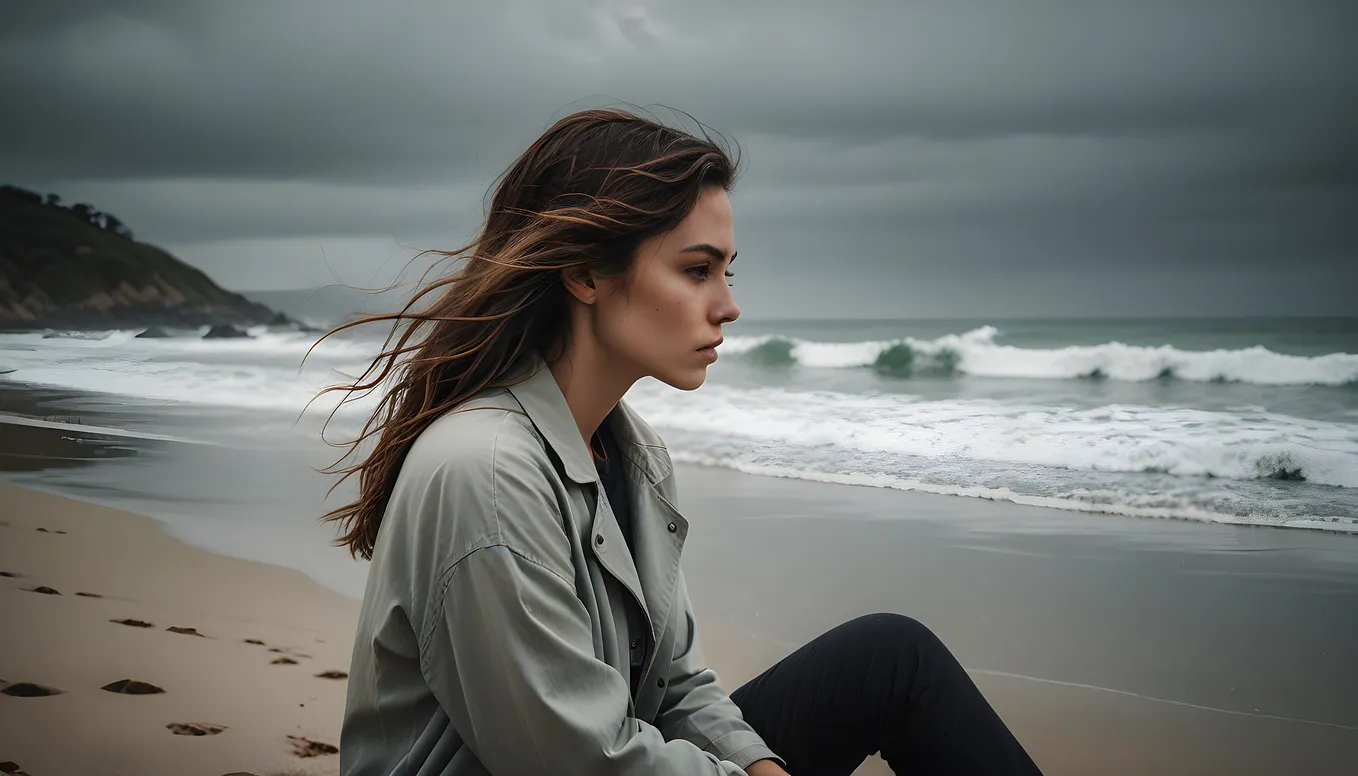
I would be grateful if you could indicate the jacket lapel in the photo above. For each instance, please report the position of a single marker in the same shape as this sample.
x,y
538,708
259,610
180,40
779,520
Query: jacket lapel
x,y
656,547
546,407
651,570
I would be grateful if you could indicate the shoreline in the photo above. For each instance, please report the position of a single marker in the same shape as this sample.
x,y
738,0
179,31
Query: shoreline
x,y
1314,523
48,441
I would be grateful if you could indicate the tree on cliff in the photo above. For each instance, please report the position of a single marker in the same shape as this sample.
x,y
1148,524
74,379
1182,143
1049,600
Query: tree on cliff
x,y
106,221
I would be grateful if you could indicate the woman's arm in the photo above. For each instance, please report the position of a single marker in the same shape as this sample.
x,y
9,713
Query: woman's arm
x,y
697,708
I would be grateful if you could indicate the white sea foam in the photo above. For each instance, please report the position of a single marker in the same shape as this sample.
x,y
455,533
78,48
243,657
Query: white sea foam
x,y
261,342
263,372
1126,439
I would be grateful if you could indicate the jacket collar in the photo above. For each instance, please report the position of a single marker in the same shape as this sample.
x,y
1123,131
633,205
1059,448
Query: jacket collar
x,y
545,404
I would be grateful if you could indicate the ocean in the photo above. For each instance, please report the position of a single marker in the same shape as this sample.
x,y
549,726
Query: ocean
x,y
1250,421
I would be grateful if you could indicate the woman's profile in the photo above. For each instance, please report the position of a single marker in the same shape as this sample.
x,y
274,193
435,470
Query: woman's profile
x,y
525,610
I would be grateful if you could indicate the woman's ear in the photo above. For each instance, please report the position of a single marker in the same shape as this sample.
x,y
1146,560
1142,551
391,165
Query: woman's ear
x,y
580,284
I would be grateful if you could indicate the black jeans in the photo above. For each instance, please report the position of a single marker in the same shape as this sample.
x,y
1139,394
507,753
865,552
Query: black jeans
x,y
878,683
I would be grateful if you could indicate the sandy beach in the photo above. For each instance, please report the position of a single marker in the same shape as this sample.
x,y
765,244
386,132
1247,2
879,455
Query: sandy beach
x,y
90,597
1072,633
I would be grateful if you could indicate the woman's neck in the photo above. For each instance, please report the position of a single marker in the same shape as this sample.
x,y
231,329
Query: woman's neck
x,y
591,384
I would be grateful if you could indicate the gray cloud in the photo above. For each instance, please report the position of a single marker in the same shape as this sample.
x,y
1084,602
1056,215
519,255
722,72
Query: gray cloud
x,y
977,150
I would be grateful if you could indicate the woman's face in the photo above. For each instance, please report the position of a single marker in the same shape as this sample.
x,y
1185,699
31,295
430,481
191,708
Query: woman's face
x,y
666,321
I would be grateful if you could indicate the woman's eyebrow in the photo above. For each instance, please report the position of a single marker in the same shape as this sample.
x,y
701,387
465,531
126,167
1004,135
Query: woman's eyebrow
x,y
710,250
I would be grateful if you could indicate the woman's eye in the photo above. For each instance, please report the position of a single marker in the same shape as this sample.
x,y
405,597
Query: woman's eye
x,y
699,272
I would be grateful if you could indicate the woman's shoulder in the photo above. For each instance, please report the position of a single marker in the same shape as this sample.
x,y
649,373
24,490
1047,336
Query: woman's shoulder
x,y
487,431
479,475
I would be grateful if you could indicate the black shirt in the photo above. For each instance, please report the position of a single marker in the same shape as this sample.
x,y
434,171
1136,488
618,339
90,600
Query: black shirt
x,y
609,462
614,479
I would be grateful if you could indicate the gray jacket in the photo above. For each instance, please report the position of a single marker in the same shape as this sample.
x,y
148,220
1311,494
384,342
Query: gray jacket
x,y
494,635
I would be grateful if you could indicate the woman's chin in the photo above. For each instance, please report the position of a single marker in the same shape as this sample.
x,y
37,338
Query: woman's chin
x,y
685,380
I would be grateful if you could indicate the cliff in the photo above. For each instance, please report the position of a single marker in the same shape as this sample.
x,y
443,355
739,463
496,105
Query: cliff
x,y
76,268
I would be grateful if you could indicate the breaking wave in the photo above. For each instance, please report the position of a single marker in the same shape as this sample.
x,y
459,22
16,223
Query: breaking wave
x,y
976,353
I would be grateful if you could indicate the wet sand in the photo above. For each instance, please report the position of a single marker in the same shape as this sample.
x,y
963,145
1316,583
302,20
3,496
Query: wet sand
x,y
1110,645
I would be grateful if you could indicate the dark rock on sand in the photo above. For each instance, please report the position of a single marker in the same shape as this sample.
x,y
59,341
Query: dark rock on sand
x,y
185,631
44,589
132,687
29,690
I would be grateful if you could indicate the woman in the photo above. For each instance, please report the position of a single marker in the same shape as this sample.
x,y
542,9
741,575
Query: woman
x,y
525,612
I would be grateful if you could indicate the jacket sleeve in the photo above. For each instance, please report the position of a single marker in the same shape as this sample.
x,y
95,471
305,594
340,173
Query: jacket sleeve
x,y
696,708
507,650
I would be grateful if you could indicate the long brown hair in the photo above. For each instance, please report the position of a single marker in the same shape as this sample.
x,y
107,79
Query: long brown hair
x,y
583,196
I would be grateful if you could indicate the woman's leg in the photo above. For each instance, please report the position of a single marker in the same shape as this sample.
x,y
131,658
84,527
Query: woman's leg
x,y
882,682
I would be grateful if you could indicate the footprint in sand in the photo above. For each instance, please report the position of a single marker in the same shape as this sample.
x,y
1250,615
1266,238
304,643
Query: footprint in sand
x,y
44,530
185,631
332,675
283,661
254,641
306,747
134,623
28,690
11,575
44,589
195,728
132,687
90,595
286,651
12,768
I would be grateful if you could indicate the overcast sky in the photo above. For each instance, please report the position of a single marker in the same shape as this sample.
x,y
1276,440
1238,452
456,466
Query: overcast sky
x,y
901,159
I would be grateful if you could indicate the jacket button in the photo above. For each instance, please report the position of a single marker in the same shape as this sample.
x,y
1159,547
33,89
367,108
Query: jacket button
x,y
636,643
599,540
673,528
660,683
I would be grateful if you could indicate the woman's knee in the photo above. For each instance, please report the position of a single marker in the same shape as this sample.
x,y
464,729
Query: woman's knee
x,y
894,631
